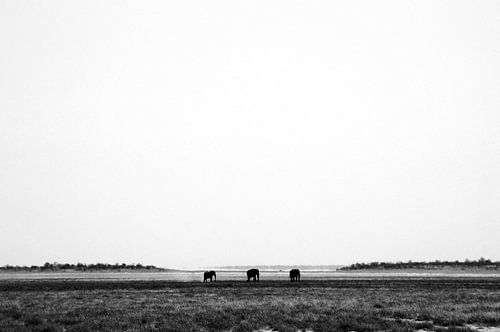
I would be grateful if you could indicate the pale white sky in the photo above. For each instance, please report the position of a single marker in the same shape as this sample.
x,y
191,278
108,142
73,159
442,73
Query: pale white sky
x,y
193,133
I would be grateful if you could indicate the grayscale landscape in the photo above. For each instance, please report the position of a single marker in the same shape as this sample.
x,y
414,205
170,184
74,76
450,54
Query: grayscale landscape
x,y
250,165
179,301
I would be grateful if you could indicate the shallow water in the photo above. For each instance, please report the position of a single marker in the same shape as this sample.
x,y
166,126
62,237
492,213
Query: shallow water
x,y
234,275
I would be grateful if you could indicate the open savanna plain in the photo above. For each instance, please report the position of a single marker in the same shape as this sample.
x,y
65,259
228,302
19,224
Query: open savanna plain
x,y
379,303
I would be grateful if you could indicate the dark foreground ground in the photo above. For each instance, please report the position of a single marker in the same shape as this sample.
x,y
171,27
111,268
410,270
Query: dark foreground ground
x,y
378,304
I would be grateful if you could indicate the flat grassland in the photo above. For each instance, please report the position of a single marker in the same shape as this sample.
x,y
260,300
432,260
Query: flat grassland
x,y
357,304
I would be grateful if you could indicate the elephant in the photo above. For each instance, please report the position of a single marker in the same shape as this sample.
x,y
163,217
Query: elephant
x,y
294,275
253,273
209,275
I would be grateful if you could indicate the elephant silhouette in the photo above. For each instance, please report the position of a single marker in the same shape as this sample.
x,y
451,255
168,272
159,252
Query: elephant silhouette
x,y
253,273
209,275
294,275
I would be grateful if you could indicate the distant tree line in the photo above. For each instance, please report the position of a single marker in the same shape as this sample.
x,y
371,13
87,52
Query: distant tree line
x,y
436,265
80,267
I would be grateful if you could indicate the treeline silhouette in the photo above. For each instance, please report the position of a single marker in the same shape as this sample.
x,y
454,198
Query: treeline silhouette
x,y
480,263
81,267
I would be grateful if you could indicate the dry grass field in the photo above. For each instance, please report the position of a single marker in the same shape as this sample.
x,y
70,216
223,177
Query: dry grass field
x,y
362,304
